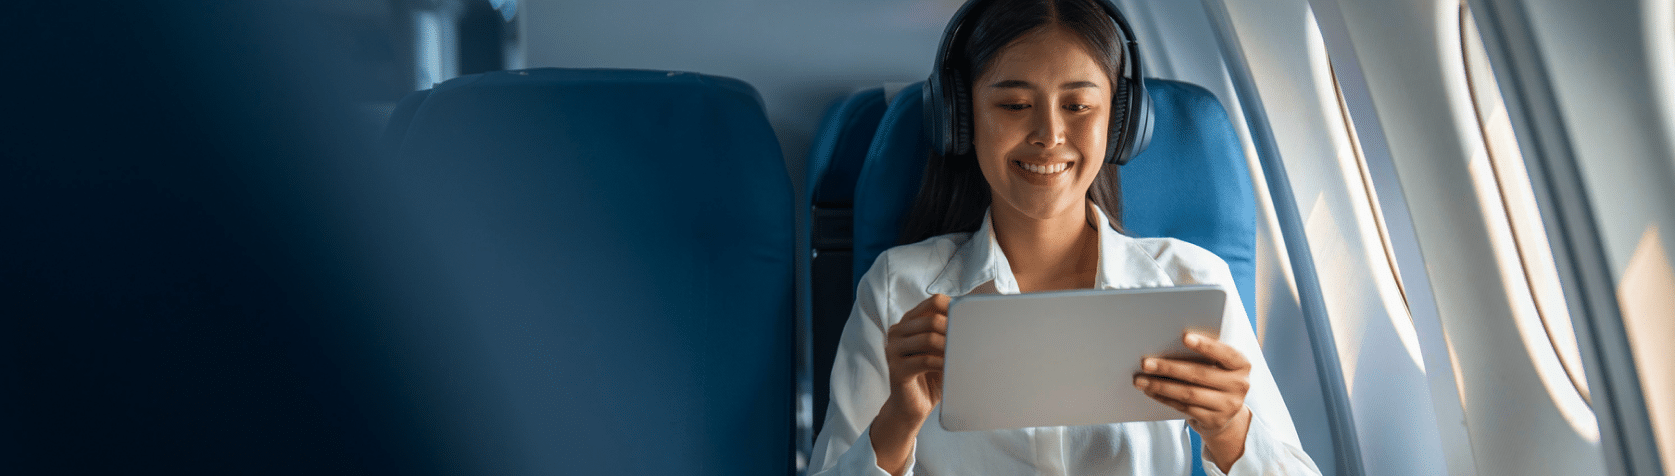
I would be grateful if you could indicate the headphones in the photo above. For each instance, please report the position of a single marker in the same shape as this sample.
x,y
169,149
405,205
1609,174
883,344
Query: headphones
x,y
948,94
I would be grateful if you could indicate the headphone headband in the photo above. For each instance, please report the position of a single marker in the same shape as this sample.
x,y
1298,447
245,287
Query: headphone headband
x,y
948,97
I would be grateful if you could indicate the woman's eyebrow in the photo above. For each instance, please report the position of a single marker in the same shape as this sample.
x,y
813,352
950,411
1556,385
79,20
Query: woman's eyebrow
x,y
1021,84
1012,84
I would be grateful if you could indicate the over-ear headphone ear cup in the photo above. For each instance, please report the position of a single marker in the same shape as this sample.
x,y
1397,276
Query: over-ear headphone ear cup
x,y
961,112
1114,140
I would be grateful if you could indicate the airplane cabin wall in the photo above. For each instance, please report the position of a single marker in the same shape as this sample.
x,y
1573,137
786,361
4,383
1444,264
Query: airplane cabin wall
x,y
1179,42
1376,340
1521,413
1622,132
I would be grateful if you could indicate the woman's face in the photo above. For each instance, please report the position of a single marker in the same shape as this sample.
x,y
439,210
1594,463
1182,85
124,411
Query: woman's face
x,y
1041,113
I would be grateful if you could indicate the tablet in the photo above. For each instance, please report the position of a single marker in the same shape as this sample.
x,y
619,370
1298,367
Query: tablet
x,y
1066,358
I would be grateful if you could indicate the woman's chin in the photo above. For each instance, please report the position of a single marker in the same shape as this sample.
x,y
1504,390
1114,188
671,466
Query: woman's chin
x,y
1048,208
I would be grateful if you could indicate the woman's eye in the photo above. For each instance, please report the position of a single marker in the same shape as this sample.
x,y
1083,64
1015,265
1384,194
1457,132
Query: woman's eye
x,y
1078,107
1014,107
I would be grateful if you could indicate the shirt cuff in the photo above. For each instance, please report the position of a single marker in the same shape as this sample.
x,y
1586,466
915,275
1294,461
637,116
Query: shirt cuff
x,y
861,460
1261,451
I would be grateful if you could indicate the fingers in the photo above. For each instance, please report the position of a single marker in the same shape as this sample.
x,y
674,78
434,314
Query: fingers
x,y
1206,375
1203,419
922,343
916,344
1211,394
937,303
930,315
1219,352
1189,395
923,363
914,324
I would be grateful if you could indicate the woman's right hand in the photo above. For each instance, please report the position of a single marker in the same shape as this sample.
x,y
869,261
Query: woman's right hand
x,y
913,350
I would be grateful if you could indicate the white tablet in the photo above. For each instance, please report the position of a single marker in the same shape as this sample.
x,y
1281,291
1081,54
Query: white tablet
x,y
1066,357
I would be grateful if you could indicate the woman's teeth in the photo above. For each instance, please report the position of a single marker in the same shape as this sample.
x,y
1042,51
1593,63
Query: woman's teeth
x,y
1045,169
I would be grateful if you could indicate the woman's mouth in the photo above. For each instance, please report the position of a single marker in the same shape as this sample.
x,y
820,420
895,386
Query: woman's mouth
x,y
1048,169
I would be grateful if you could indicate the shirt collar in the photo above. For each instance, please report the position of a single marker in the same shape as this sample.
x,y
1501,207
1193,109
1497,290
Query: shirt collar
x,y
980,266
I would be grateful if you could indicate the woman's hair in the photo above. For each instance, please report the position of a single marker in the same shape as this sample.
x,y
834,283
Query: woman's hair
x,y
953,195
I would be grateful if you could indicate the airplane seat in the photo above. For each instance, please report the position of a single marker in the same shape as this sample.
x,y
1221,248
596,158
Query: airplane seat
x,y
389,142
834,160
609,257
1190,183
889,179
840,145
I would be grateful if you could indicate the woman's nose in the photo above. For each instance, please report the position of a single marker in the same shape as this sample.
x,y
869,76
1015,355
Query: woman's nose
x,y
1048,130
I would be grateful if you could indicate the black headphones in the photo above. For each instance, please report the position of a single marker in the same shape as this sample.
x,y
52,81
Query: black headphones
x,y
948,95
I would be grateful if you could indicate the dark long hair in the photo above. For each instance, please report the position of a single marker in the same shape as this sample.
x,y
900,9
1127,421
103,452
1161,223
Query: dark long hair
x,y
953,195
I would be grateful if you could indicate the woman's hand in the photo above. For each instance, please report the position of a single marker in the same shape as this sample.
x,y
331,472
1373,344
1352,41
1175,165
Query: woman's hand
x,y
913,350
1210,393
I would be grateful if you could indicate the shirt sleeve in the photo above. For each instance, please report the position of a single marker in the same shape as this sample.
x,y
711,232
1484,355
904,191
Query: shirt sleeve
x,y
1271,443
860,384
1265,455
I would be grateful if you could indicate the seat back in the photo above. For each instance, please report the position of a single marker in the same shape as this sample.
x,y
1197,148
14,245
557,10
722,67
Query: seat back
x,y
610,264
1191,183
840,147
889,178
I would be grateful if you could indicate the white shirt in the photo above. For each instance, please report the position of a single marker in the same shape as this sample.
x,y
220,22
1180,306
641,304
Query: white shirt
x,y
957,263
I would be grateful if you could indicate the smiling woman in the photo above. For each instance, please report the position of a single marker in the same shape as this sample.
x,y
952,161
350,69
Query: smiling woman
x,y
1022,197
955,192
1041,115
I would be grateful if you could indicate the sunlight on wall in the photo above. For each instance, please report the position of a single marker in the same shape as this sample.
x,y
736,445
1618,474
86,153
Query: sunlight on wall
x,y
1376,266
1333,262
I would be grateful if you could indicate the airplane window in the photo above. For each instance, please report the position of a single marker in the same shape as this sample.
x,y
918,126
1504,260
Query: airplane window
x,y
1534,258
1375,276
1367,186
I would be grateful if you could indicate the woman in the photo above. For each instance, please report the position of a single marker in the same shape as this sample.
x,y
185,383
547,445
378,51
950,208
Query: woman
x,y
1030,205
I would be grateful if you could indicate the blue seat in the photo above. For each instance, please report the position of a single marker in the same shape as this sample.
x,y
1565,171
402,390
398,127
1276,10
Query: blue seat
x,y
395,131
834,160
615,250
840,146
1191,183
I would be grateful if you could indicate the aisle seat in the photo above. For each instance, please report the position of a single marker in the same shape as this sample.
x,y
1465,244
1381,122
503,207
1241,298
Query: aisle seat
x,y
617,249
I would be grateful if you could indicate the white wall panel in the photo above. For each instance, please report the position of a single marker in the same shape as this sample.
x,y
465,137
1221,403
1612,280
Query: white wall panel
x,y
1416,76
1622,130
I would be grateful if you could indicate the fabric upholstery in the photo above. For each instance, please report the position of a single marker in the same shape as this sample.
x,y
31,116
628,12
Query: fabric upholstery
x,y
621,245
840,146
889,178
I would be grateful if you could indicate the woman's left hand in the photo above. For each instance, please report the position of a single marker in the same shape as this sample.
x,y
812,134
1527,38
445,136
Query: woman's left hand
x,y
1210,393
